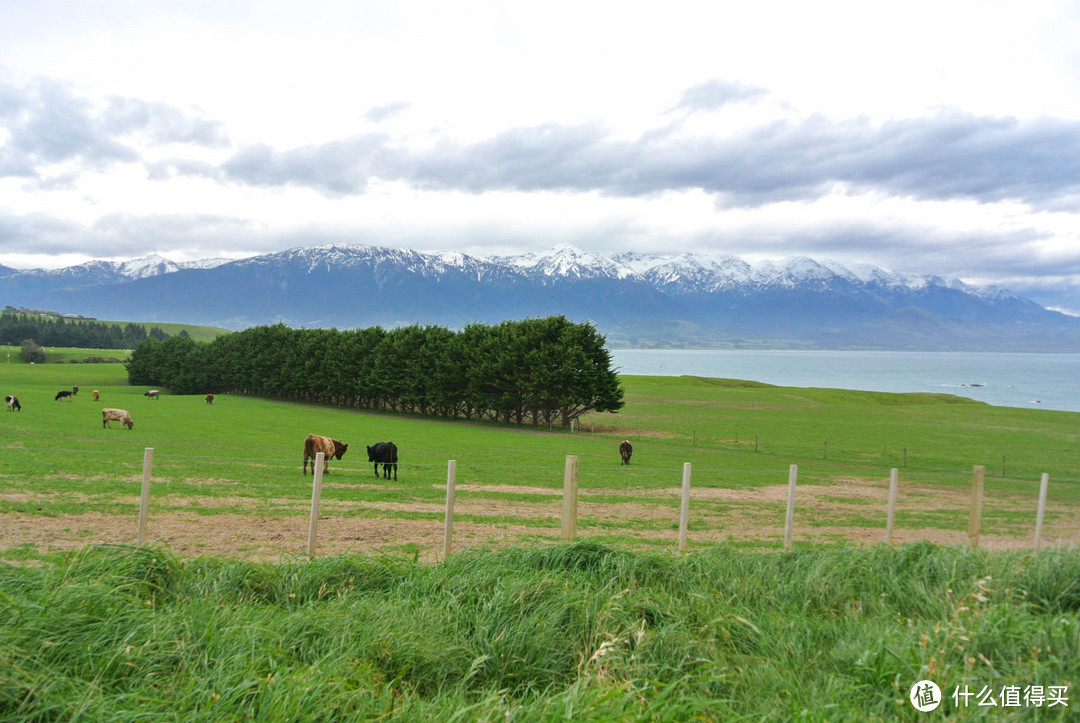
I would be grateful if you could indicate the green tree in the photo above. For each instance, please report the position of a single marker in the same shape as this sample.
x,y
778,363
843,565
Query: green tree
x,y
32,353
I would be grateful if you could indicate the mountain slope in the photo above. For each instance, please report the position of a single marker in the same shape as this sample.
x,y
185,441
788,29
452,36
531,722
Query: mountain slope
x,y
637,299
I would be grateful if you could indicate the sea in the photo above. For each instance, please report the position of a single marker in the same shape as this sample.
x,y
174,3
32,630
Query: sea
x,y
1030,381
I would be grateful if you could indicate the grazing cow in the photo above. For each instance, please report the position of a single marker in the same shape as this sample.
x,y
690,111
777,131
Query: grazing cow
x,y
12,403
209,398
384,453
62,394
329,447
625,450
116,415
153,394
75,391
97,394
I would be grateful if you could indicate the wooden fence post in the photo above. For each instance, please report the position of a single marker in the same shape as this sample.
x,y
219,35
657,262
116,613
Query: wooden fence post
x,y
893,481
789,520
569,500
1042,509
448,526
144,496
684,508
975,522
316,495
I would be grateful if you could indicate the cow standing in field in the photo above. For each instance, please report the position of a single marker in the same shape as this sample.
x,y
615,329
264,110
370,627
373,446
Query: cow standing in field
x,y
12,403
209,398
97,394
75,391
329,447
384,453
152,394
625,451
116,415
62,394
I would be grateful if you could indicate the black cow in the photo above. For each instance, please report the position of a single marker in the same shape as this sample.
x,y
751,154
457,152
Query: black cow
x,y
12,403
384,453
625,450
62,394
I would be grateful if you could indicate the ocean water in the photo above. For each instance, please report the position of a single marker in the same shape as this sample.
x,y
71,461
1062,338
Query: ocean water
x,y
1032,381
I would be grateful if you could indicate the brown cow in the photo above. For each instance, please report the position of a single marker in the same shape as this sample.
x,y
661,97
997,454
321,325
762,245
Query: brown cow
x,y
116,415
209,398
625,450
97,394
329,447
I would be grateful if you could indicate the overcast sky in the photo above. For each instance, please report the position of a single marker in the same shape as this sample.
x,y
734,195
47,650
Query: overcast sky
x,y
923,137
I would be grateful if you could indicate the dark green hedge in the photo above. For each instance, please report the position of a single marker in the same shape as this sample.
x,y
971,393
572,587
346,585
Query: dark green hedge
x,y
539,371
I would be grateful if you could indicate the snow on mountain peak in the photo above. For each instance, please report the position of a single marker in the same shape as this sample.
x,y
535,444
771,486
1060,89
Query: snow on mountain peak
x,y
569,261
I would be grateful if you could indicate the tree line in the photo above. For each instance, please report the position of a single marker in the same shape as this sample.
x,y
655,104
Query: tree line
x,y
546,371
15,328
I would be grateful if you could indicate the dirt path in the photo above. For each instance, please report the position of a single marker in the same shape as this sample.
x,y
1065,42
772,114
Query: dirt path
x,y
850,509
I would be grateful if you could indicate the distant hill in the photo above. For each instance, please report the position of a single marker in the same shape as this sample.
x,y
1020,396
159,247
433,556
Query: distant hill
x,y
644,300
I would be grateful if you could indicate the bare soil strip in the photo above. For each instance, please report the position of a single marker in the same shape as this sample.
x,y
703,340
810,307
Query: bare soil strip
x,y
850,509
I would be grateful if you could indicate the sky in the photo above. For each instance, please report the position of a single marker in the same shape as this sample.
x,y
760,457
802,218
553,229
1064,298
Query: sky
x,y
921,137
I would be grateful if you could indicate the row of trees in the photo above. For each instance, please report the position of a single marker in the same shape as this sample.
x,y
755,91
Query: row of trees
x,y
540,371
84,334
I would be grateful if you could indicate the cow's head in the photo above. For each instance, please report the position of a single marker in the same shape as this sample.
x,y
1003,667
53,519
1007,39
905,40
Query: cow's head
x,y
340,448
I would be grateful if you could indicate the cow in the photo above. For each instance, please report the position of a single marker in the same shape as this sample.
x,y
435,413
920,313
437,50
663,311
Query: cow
x,y
116,415
97,395
75,391
625,450
384,453
152,394
329,447
209,398
62,394
12,403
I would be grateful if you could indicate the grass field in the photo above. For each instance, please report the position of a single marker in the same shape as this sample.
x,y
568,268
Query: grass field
x,y
222,616
227,477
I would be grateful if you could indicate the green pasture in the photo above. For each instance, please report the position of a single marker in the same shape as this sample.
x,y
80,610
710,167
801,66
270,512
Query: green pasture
x,y
243,455
12,355
613,627
198,333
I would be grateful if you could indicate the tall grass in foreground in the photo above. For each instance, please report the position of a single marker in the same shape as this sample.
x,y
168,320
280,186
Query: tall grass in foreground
x,y
578,631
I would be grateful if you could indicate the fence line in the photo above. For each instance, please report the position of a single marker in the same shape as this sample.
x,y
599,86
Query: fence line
x,y
570,495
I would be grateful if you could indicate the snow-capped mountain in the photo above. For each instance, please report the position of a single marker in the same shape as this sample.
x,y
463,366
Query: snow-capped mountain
x,y
687,299
566,262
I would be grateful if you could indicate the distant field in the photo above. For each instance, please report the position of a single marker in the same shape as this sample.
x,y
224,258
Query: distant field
x,y
227,477
11,355
198,333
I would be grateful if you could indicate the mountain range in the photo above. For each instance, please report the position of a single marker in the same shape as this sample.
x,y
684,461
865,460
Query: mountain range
x,y
643,300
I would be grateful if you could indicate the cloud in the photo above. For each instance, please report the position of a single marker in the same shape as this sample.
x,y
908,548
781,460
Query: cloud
x,y
44,233
386,112
161,123
336,168
126,235
715,94
46,125
950,155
